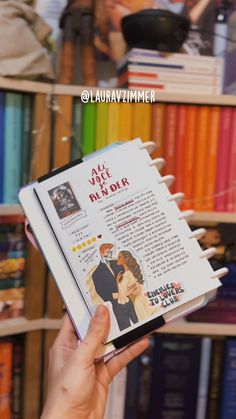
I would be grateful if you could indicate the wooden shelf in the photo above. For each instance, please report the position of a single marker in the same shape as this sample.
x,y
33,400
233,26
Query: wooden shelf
x,y
22,325
10,209
229,100
8,83
213,217
184,327
18,325
19,85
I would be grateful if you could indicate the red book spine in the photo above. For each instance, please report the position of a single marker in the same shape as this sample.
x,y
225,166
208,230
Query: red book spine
x,y
231,195
223,158
213,316
180,147
189,147
6,349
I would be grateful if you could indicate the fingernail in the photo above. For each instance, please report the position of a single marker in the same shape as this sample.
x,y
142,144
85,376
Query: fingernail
x,y
100,312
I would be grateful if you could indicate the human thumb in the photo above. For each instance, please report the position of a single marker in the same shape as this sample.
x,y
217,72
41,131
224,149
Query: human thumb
x,y
97,332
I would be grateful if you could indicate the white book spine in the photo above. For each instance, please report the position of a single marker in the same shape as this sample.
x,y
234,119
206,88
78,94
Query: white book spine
x,y
203,378
151,56
182,79
156,74
188,65
178,88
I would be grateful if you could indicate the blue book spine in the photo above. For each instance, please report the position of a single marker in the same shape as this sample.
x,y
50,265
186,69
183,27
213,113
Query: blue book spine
x,y
2,105
228,404
12,147
175,378
76,147
132,389
26,138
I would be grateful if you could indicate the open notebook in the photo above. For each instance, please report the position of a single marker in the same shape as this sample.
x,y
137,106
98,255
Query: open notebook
x,y
112,234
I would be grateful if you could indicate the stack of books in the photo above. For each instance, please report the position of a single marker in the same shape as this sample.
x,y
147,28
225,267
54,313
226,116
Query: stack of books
x,y
149,69
12,266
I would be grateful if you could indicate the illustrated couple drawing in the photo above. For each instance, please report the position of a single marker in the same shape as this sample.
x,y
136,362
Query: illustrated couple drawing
x,y
120,281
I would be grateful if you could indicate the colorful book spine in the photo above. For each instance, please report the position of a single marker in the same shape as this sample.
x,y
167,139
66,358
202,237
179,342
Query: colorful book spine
x,y
228,404
125,121
187,64
222,184
132,389
76,145
175,381
215,378
17,373
231,195
101,125
158,128
204,369
213,316
2,109
113,122
180,147
200,157
145,381
88,128
27,104
213,145
142,121
188,169
174,87
6,349
142,72
171,121
12,147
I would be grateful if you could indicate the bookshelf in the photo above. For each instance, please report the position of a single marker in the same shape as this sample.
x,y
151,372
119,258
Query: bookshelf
x,y
7,83
208,329
35,326
19,325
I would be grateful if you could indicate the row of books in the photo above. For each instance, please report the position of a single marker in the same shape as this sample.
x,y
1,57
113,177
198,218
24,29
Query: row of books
x,y
11,361
180,376
197,141
12,266
170,72
15,142
223,308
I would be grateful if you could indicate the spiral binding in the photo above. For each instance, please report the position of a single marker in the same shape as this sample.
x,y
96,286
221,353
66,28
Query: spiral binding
x,y
220,272
168,180
150,146
159,163
198,234
208,253
178,197
186,214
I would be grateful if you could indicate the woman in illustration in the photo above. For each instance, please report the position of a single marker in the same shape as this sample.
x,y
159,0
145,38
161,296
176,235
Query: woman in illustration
x,y
132,275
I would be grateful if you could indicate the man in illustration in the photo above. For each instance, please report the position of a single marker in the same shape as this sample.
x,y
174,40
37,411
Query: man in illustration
x,y
105,282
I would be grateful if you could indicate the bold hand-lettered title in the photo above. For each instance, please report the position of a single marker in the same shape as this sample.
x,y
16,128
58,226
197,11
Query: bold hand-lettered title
x,y
101,176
